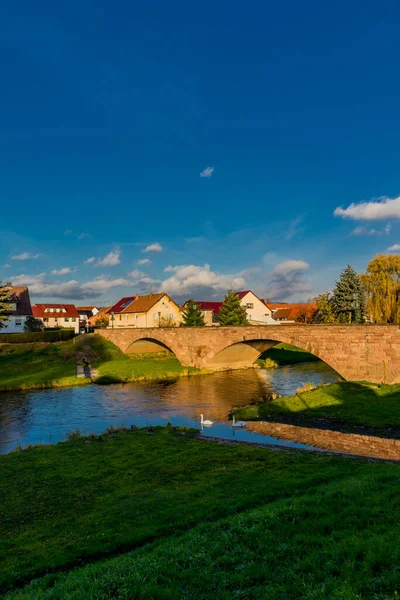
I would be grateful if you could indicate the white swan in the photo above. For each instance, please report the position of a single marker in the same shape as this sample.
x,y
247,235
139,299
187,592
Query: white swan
x,y
238,423
206,422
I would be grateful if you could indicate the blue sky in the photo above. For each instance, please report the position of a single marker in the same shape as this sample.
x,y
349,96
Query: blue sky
x,y
214,141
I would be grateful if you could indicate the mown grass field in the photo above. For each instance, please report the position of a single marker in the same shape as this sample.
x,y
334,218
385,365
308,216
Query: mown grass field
x,y
170,516
38,365
371,405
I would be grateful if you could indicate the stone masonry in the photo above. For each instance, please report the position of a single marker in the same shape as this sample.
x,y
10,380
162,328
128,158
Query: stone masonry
x,y
356,352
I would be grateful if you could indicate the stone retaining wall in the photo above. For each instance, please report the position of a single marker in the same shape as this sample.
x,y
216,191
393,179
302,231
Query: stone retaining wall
x,y
348,443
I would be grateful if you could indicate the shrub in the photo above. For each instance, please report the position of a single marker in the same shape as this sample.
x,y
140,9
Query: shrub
x,y
307,387
38,336
74,435
269,363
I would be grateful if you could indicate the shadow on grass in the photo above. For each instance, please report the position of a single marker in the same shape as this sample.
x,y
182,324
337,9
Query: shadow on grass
x,y
345,403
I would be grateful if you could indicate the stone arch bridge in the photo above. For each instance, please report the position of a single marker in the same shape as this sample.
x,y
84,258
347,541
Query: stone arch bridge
x,y
356,352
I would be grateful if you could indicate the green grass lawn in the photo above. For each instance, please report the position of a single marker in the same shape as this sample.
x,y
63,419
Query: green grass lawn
x,y
38,365
166,516
376,406
285,354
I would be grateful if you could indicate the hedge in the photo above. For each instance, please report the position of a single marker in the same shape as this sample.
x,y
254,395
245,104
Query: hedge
x,y
38,336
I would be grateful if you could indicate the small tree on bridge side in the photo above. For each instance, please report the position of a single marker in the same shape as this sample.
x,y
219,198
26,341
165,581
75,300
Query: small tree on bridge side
x,y
4,305
232,312
192,316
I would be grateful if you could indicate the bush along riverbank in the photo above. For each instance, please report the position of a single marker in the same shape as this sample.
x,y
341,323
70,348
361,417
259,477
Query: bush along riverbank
x,y
41,365
165,515
344,406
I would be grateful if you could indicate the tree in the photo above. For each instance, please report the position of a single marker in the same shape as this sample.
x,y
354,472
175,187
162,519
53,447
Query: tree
x,y
4,305
304,315
348,297
231,312
325,313
166,322
381,283
102,321
31,324
192,316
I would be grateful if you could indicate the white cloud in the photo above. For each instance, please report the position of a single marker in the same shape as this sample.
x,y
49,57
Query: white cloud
x,y
287,282
40,286
63,271
294,227
6,266
199,281
68,232
25,256
371,231
144,261
375,210
207,172
394,248
111,259
155,247
136,274
89,260
289,266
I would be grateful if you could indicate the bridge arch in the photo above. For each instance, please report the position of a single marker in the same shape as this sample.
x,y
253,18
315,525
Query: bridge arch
x,y
244,353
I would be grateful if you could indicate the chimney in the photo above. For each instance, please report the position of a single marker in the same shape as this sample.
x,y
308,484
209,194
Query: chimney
x,y
151,295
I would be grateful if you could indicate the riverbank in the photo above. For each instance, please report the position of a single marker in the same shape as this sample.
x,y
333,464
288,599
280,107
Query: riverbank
x,y
167,515
39,366
345,406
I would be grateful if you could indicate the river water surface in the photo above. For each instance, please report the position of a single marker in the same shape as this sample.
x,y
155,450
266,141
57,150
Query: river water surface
x,y
46,416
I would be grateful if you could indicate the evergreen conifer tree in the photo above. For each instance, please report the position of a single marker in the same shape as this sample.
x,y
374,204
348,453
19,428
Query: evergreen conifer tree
x,y
348,297
231,312
4,305
192,316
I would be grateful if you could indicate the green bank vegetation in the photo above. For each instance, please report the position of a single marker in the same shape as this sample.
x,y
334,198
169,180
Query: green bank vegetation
x,y
169,516
39,365
357,404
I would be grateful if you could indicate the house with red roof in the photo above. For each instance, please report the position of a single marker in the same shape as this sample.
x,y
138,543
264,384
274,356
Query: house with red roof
x,y
286,313
151,310
258,313
57,315
19,307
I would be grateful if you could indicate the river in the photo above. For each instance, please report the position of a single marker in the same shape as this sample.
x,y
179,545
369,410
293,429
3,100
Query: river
x,y
46,416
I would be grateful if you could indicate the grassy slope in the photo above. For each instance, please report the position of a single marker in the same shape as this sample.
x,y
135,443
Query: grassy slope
x,y
355,403
38,365
285,354
223,521
29,366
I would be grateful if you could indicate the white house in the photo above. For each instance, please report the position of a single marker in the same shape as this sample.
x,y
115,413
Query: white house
x,y
19,308
258,313
57,315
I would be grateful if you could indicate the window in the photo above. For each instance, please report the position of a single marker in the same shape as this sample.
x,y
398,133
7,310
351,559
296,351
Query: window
x,y
73,319
66,319
249,305
45,319
120,317
126,317
155,315
18,322
171,315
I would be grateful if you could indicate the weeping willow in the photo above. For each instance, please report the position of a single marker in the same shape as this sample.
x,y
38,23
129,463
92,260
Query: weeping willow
x,y
381,283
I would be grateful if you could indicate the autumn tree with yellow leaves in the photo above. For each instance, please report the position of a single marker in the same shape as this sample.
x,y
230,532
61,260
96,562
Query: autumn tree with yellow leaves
x,y
381,283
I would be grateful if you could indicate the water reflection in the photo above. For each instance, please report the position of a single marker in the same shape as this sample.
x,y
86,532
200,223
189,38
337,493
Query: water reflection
x,y
46,416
